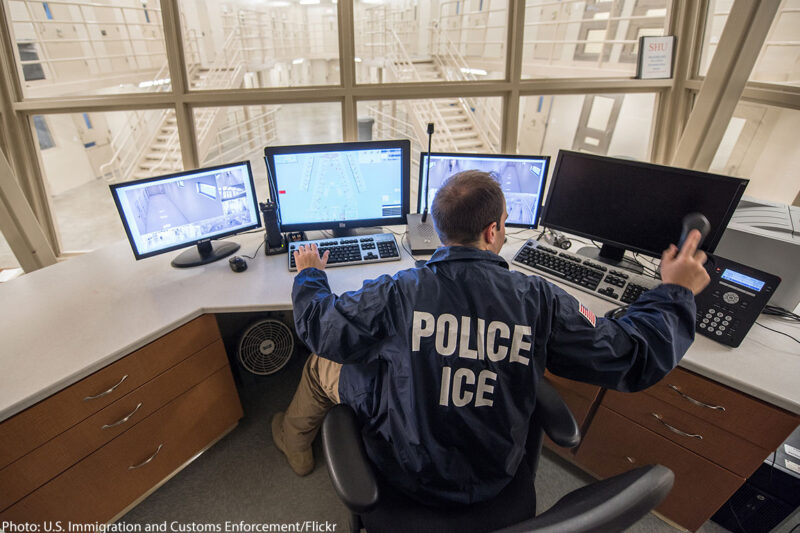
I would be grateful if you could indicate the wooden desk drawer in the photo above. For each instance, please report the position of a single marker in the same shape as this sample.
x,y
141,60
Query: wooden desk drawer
x,y
614,445
43,421
719,446
50,459
584,390
760,423
101,486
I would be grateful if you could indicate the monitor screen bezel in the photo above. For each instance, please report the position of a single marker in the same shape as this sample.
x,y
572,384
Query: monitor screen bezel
x,y
462,155
405,151
125,222
709,244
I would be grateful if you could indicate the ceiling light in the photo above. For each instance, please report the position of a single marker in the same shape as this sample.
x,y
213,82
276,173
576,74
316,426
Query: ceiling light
x,y
297,61
308,2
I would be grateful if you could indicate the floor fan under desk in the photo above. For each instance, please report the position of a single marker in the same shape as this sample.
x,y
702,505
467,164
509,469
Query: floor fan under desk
x,y
265,347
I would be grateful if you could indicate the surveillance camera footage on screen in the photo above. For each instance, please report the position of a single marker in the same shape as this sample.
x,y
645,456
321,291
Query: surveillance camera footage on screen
x,y
343,185
521,179
169,212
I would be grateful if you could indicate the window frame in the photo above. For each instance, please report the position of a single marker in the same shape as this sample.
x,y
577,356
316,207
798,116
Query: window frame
x,y
673,104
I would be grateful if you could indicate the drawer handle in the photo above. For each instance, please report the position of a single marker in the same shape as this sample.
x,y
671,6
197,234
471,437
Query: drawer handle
x,y
105,392
123,419
676,430
134,467
696,402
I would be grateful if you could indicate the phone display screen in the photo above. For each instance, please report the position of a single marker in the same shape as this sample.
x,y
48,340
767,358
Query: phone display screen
x,y
743,279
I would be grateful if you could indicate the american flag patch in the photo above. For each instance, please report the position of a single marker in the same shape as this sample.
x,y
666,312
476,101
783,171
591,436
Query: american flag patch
x,y
588,315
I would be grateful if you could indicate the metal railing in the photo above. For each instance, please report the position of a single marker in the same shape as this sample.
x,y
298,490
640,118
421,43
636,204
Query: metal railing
x,y
123,43
224,73
134,138
484,115
549,51
240,138
275,34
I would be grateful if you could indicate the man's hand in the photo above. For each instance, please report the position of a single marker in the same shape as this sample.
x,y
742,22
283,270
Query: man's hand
x,y
685,267
308,257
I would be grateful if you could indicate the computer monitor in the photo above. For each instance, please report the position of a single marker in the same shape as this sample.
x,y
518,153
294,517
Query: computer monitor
x,y
522,178
188,208
630,205
340,186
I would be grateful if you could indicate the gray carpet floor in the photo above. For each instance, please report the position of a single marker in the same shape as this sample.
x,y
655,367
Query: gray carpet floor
x,y
244,478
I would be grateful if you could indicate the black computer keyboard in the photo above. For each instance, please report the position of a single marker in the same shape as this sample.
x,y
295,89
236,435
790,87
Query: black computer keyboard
x,y
353,250
585,274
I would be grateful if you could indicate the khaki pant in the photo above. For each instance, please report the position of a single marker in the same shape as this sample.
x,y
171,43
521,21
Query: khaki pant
x,y
317,392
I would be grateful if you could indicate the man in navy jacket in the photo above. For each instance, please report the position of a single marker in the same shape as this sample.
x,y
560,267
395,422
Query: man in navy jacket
x,y
441,363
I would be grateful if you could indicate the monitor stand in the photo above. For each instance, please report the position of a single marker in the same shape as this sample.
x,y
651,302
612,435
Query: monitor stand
x,y
612,256
205,252
338,233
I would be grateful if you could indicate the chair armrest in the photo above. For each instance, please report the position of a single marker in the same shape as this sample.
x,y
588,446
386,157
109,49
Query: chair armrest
x,y
613,504
554,417
349,468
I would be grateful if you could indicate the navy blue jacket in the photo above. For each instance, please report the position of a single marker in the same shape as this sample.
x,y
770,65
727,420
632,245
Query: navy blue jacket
x,y
441,362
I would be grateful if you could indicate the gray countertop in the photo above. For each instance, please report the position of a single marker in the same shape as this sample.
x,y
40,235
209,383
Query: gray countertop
x,y
64,322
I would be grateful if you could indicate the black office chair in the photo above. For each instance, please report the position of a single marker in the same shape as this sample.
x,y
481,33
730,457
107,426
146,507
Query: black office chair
x,y
610,505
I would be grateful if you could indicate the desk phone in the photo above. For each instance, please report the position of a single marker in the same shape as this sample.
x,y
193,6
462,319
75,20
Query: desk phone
x,y
730,305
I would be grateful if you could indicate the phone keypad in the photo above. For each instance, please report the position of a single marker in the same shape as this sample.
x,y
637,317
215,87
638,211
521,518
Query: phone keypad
x,y
717,320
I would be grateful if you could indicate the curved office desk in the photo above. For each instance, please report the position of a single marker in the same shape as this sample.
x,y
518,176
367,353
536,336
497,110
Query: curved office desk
x,y
147,320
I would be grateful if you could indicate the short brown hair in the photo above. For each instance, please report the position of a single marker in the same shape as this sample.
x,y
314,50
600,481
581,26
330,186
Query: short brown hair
x,y
467,203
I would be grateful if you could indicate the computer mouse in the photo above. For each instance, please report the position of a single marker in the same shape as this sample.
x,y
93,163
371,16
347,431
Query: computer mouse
x,y
694,221
237,263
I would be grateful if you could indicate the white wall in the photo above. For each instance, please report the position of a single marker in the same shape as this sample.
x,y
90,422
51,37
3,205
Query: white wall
x,y
631,137
66,165
775,176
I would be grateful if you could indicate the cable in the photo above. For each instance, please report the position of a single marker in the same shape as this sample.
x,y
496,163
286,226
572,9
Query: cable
x,y
257,249
795,527
776,331
774,310
652,271
733,513
407,249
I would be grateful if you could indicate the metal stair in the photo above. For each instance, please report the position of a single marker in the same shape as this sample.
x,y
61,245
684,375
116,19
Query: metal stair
x,y
454,123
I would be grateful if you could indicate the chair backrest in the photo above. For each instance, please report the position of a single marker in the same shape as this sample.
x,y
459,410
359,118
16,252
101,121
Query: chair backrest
x,y
613,504
610,505
364,493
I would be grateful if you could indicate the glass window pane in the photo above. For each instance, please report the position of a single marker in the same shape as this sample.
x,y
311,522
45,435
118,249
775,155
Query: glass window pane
x,y
120,146
408,41
7,259
469,125
616,125
592,38
229,134
117,45
760,144
246,44
778,60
